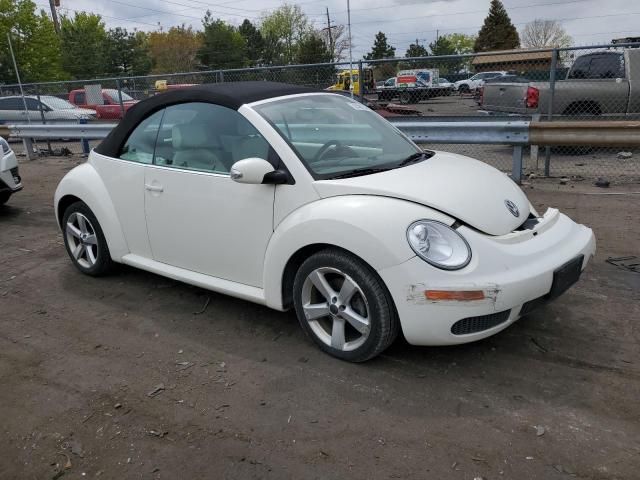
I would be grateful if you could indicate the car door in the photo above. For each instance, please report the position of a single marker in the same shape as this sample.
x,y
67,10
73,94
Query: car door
x,y
12,110
197,217
36,110
124,180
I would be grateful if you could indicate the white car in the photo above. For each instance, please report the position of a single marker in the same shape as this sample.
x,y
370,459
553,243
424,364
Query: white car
x,y
293,198
472,84
52,109
10,181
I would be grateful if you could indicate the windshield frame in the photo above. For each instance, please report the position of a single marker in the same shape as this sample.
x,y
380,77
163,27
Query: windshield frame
x,y
397,163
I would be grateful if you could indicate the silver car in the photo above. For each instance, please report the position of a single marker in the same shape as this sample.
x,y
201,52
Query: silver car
x,y
51,109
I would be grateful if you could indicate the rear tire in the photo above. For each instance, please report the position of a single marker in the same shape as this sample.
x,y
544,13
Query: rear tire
x,y
344,306
85,241
464,89
405,98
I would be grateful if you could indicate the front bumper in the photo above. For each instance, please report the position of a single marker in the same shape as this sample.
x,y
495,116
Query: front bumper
x,y
512,270
10,180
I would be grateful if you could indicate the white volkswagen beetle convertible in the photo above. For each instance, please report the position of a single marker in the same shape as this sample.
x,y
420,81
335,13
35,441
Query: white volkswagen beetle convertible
x,y
294,198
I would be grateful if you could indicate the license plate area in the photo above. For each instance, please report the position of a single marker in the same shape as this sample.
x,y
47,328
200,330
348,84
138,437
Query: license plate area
x,y
565,276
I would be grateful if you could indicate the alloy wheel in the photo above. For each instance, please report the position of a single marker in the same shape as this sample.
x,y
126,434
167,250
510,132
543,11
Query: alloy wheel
x,y
82,240
336,309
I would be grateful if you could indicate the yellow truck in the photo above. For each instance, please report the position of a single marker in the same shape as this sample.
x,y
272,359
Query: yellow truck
x,y
343,81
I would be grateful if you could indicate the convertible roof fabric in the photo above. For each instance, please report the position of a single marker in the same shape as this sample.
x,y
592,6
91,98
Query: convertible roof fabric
x,y
231,95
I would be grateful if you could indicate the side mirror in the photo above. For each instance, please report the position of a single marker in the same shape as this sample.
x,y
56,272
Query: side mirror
x,y
251,170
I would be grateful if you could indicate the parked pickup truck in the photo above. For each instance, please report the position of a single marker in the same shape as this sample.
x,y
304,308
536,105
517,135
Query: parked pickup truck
x,y
109,109
599,83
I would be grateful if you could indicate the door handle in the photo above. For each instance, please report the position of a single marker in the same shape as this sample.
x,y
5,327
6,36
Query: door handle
x,y
154,188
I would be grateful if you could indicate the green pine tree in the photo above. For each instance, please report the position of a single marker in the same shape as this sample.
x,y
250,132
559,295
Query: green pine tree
x,y
254,41
381,48
498,32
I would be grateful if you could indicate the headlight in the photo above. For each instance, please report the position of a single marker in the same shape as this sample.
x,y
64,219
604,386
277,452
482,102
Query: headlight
x,y
5,146
439,244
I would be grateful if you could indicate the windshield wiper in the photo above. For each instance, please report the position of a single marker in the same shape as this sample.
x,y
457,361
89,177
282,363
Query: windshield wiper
x,y
359,172
414,157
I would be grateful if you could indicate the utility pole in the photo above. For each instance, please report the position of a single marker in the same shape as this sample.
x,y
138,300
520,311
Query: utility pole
x,y
329,27
54,14
350,52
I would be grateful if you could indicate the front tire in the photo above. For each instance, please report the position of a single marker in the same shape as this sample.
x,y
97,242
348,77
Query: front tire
x,y
4,197
85,241
344,306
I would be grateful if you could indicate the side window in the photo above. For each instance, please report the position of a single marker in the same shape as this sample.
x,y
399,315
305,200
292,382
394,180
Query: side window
x,y
607,66
14,103
32,104
140,145
206,137
580,68
80,98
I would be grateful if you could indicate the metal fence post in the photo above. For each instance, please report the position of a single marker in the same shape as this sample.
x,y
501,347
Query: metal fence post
x,y
119,86
516,168
552,91
361,80
221,76
84,142
42,117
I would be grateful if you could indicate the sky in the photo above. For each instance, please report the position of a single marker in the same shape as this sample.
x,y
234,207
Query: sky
x,y
403,21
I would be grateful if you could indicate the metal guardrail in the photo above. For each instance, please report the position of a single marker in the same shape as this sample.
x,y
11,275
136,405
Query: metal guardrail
x,y
70,130
517,133
481,133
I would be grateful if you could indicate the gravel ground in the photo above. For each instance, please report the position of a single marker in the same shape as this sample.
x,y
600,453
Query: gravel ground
x,y
130,376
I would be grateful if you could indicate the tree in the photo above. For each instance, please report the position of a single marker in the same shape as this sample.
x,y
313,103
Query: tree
x,y
312,49
416,50
254,42
380,49
461,42
442,46
35,43
175,50
545,33
127,53
223,46
283,29
339,41
83,39
497,32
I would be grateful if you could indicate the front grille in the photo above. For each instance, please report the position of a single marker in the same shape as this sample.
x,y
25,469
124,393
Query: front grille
x,y
479,324
14,171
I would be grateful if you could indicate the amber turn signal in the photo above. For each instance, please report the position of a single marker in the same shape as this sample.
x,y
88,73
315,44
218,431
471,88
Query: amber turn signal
x,y
459,295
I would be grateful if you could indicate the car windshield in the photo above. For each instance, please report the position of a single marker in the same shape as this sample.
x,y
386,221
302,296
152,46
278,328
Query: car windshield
x,y
56,103
113,95
335,136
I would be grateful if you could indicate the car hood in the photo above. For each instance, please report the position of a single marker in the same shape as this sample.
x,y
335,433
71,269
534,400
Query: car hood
x,y
466,189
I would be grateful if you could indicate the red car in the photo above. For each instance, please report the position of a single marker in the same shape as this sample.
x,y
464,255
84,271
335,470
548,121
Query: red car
x,y
110,106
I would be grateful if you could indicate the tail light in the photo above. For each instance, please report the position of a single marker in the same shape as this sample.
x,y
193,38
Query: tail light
x,y
533,96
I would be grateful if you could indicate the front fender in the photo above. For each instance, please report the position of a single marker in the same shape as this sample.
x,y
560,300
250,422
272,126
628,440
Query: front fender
x,y
371,227
84,183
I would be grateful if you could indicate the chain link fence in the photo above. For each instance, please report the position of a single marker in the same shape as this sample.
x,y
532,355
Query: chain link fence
x,y
581,83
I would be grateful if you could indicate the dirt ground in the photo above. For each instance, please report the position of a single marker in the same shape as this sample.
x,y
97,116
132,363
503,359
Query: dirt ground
x,y
130,376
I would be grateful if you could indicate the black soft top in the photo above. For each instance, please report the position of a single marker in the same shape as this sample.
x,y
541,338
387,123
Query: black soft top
x,y
230,94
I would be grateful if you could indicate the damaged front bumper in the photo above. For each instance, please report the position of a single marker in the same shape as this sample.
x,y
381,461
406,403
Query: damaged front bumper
x,y
515,273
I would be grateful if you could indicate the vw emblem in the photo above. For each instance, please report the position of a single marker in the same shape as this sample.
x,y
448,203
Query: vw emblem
x,y
512,208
